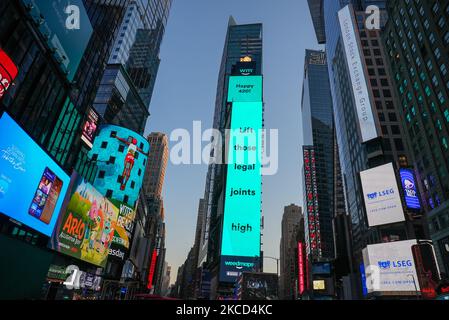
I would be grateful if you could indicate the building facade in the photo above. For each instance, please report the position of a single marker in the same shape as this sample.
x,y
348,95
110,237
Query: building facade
x,y
291,219
416,41
241,41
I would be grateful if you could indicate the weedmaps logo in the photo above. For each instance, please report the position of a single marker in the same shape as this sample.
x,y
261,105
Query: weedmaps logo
x,y
239,265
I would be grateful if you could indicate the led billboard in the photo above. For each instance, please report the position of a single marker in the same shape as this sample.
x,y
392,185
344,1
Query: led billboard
x,y
409,187
123,231
67,28
312,216
90,128
8,72
121,156
32,185
240,246
245,89
356,69
390,268
86,224
381,195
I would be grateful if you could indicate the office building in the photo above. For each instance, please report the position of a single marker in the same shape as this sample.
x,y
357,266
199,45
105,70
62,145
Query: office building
x,y
318,142
367,120
157,164
291,220
416,41
241,41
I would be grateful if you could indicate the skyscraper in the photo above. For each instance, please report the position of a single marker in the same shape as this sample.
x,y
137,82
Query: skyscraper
x,y
291,218
416,41
318,135
241,41
157,164
366,117
127,85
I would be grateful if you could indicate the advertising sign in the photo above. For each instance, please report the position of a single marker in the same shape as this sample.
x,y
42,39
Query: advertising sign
x,y
90,128
86,224
121,156
32,185
301,278
244,68
66,26
409,188
357,73
312,218
381,195
151,270
245,89
390,268
427,269
8,72
240,246
123,230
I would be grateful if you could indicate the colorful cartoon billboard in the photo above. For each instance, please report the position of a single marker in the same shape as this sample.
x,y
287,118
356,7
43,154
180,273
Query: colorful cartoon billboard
x,y
86,224
32,185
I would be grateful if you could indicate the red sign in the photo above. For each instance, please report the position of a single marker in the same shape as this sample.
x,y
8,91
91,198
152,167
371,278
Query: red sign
x,y
301,280
8,72
152,267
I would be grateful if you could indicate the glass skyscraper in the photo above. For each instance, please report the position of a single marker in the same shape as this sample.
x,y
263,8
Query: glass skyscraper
x,y
318,135
417,45
241,40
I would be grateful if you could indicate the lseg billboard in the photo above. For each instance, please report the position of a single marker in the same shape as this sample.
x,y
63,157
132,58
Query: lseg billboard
x,y
67,28
381,195
240,248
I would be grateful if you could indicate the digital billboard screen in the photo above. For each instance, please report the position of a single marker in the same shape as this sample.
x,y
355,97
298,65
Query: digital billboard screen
x,y
8,72
32,185
122,156
67,28
90,128
409,188
381,195
123,231
86,224
390,268
245,89
240,246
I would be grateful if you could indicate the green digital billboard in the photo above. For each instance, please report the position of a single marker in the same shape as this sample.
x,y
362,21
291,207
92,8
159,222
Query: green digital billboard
x,y
240,246
245,89
241,227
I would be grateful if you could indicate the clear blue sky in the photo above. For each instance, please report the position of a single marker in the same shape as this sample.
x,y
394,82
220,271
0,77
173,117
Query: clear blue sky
x,y
185,92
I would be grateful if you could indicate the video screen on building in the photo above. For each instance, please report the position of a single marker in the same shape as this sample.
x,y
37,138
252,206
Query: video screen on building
x,y
123,231
8,72
410,190
32,185
240,247
85,227
381,195
390,268
121,155
67,28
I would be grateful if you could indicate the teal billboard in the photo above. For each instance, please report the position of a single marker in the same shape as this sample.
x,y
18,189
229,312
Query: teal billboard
x,y
66,27
245,89
240,246
121,156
